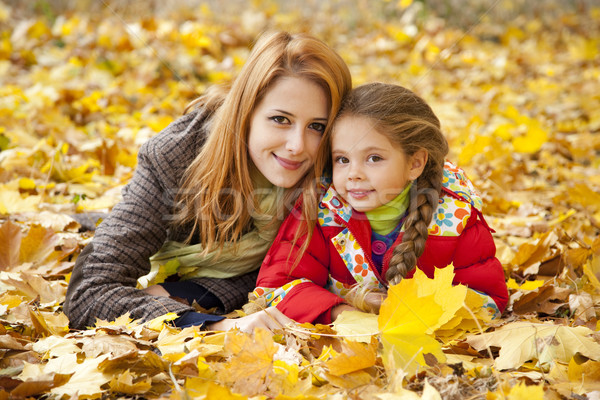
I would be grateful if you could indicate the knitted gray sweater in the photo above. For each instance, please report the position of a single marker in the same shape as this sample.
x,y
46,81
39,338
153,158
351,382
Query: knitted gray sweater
x,y
103,283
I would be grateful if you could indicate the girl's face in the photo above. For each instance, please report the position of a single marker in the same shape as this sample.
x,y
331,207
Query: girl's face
x,y
286,128
368,169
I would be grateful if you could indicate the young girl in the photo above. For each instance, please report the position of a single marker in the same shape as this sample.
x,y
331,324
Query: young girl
x,y
394,205
206,192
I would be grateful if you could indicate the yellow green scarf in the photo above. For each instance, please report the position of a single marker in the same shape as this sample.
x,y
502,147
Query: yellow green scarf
x,y
233,259
384,218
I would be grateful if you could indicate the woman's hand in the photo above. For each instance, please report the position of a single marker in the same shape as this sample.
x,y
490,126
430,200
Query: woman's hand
x,y
270,318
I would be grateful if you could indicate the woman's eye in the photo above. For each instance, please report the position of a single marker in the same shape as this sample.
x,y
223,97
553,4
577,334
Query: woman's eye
x,y
317,127
280,119
374,158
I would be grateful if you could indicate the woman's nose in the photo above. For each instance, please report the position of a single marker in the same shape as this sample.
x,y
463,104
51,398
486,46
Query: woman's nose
x,y
295,142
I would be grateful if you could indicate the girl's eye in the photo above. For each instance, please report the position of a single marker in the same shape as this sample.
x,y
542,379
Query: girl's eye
x,y
280,119
374,158
317,127
341,160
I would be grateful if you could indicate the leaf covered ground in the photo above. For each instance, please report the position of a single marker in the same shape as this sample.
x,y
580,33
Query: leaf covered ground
x,y
517,90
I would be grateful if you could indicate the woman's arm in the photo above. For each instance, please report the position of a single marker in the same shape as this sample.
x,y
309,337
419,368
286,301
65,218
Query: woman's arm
x,y
104,278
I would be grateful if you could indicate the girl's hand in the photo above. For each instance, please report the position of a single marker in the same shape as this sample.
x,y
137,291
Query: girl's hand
x,y
373,301
340,308
270,319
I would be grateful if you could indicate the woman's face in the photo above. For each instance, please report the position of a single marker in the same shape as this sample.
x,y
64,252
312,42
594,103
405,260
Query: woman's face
x,y
286,128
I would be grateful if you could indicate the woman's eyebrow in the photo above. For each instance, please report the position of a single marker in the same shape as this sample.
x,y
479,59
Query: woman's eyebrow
x,y
292,115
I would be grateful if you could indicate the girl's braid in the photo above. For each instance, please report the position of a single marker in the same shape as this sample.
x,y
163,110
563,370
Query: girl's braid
x,y
426,192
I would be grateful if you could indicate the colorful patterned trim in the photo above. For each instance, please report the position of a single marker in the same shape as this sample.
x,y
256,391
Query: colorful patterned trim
x,y
332,204
455,179
273,296
452,214
488,304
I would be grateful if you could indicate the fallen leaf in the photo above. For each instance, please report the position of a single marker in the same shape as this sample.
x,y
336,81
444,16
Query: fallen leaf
x,y
356,325
127,383
520,342
547,299
354,357
410,314
250,363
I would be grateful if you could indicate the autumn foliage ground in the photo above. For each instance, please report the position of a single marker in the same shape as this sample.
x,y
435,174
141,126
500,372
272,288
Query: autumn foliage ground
x,y
517,89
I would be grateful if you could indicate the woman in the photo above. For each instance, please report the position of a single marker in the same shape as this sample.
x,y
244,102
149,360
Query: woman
x,y
211,190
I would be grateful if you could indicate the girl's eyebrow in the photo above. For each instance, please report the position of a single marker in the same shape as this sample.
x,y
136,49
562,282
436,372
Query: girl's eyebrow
x,y
292,115
374,148
365,150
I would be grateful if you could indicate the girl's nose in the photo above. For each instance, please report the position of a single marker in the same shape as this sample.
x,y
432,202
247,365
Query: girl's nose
x,y
355,172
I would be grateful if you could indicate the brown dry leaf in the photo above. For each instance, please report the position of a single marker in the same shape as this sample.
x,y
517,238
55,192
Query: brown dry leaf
x,y
34,287
546,299
39,386
8,342
10,243
531,254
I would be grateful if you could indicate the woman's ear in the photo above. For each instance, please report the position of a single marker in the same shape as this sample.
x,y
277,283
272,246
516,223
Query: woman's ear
x,y
417,164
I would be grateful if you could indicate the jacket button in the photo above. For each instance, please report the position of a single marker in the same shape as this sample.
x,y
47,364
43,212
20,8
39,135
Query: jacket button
x,y
379,247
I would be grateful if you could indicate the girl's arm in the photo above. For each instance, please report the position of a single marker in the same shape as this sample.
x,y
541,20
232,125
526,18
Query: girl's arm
x,y
476,265
298,290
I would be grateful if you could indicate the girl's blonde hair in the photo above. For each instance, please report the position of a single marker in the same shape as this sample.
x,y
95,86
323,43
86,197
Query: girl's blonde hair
x,y
410,123
217,184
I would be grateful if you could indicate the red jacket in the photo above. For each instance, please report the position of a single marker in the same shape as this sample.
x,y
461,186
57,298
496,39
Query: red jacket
x,y
339,253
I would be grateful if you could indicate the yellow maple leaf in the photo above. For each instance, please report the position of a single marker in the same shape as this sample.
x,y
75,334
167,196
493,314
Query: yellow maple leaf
x,y
355,356
38,245
197,388
251,361
525,392
412,311
158,323
527,285
470,317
